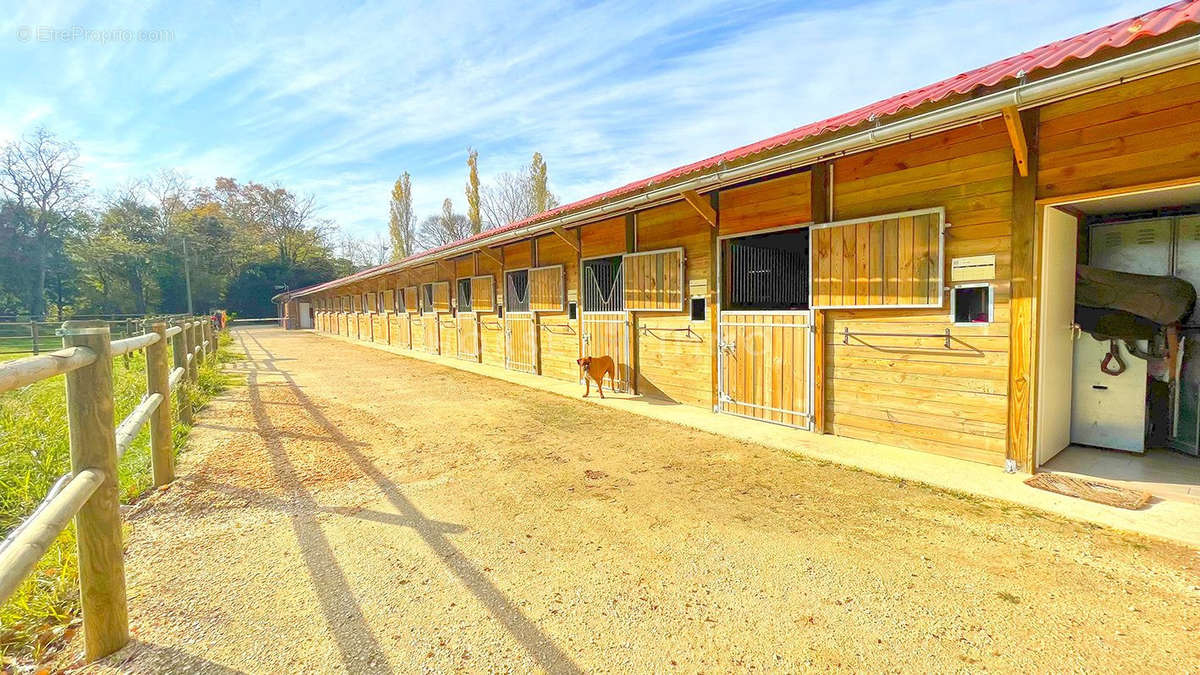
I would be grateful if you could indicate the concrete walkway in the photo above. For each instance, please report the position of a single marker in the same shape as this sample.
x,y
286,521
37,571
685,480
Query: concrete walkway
x,y
1177,521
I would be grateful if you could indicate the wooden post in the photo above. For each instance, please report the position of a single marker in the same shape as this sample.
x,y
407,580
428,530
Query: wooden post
x,y
158,374
1023,305
179,358
206,338
33,333
98,523
822,212
189,329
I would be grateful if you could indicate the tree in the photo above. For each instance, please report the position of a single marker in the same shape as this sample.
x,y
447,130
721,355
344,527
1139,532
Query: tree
x,y
446,228
38,174
401,218
364,252
539,190
512,197
473,191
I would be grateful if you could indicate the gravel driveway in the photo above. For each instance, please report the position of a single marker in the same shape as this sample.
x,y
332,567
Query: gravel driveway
x,y
353,510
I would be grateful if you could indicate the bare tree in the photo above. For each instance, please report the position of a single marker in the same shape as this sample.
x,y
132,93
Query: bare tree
x,y
445,228
517,196
363,252
39,176
172,190
401,219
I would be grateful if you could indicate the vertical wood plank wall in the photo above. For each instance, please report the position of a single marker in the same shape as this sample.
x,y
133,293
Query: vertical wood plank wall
x,y
912,391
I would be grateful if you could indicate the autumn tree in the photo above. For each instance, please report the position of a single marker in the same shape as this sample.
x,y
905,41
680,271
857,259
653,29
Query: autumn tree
x,y
401,219
539,189
473,213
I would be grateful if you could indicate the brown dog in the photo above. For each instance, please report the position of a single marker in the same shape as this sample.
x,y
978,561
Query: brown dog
x,y
595,368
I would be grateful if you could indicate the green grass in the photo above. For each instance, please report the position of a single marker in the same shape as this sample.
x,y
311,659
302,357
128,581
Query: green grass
x,y
34,452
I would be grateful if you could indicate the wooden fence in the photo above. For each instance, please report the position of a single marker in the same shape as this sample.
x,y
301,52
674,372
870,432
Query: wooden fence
x,y
89,493
26,335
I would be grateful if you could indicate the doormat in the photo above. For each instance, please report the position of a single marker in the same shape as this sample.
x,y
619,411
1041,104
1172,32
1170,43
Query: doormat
x,y
1091,490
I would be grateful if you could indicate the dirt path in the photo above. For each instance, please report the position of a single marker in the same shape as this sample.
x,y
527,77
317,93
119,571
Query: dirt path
x,y
352,510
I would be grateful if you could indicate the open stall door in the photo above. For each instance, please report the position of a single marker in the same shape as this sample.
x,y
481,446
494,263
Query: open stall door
x,y
607,334
467,326
765,363
1056,343
520,342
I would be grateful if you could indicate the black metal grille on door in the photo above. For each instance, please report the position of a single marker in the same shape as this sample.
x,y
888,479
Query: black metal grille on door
x,y
768,272
603,285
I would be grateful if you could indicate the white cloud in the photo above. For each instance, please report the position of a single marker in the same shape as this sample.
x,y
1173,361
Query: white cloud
x,y
340,101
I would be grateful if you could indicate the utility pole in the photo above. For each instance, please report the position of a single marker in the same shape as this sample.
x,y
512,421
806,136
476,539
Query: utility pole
x,y
187,277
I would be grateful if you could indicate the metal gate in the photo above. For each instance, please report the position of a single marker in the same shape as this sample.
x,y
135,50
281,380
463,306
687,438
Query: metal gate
x,y
467,326
433,334
607,334
520,342
765,365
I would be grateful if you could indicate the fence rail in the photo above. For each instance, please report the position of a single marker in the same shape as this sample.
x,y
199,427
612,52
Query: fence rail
x,y
89,493
30,335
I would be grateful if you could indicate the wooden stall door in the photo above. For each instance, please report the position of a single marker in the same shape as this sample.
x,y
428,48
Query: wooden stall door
x,y
433,337
520,338
401,333
765,362
607,334
467,327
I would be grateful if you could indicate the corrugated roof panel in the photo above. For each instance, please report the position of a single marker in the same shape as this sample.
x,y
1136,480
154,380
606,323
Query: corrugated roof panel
x,y
1120,34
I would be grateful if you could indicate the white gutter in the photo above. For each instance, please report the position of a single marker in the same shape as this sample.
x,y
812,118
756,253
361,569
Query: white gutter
x,y
1115,71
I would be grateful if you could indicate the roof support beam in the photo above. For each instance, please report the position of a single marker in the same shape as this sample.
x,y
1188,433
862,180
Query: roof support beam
x,y
702,206
562,234
487,253
1016,134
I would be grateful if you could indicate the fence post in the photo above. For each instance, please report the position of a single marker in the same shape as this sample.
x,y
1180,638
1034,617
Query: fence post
x,y
206,333
98,523
158,381
33,333
189,331
179,356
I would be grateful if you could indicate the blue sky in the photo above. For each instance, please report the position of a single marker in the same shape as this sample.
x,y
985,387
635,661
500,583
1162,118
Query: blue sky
x,y
337,99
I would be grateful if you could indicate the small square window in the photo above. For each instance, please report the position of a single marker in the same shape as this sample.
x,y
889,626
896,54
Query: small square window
x,y
971,304
572,311
699,305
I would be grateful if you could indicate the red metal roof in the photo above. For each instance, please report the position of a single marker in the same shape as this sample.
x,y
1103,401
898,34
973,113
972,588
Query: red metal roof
x,y
1120,34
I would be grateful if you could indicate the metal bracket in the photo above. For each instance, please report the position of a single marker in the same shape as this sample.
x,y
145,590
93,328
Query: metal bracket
x,y
726,346
724,398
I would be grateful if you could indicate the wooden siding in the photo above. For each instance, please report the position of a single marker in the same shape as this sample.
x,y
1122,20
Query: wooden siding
x,y
558,337
1142,132
431,334
890,260
606,237
467,336
767,204
546,291
654,281
491,326
910,390
673,354
518,256
520,350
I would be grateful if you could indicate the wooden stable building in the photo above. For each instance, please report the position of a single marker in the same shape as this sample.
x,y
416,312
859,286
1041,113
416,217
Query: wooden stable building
x,y
881,275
